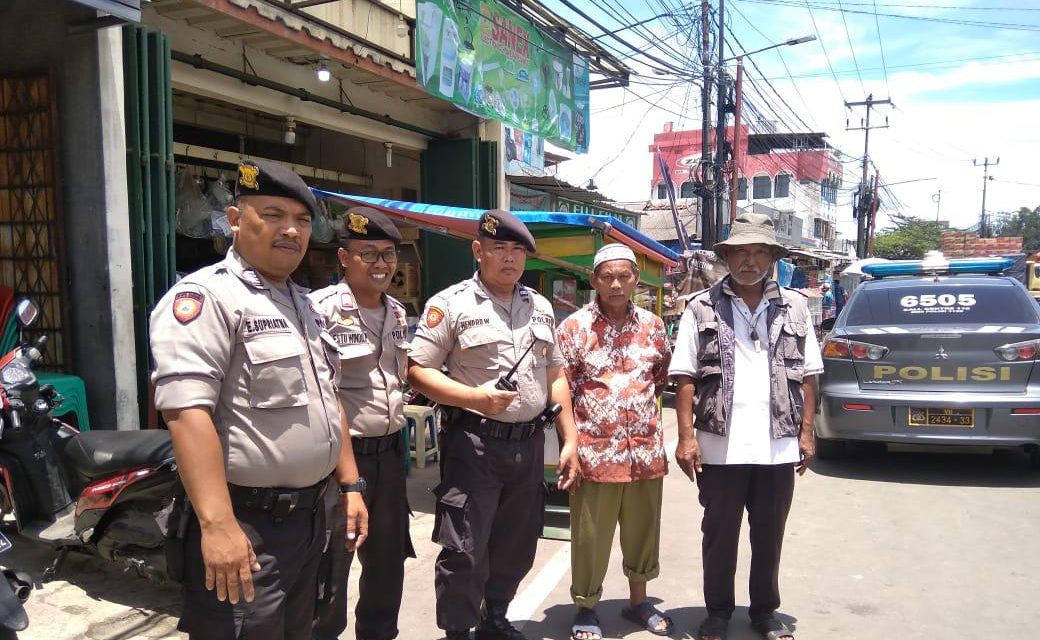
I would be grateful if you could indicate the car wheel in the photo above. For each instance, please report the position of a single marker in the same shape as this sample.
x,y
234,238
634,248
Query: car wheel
x,y
830,449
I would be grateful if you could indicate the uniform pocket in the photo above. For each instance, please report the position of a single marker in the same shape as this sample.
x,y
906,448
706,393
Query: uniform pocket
x,y
479,349
543,337
451,528
276,372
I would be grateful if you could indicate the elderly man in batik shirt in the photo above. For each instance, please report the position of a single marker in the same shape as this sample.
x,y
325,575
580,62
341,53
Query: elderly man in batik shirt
x,y
617,363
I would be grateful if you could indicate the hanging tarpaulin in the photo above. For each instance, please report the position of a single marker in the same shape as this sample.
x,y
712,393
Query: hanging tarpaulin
x,y
490,61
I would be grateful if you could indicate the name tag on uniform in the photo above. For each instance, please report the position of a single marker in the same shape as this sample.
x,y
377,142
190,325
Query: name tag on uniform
x,y
465,325
351,338
256,325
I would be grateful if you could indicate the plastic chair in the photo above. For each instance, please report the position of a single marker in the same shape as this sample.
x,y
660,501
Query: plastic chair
x,y
421,423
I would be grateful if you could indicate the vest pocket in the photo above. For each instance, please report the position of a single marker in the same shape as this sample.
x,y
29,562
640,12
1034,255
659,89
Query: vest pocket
x,y
792,341
276,372
708,347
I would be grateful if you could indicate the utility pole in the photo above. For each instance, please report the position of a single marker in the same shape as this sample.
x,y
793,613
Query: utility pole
x,y
734,176
863,205
722,101
707,202
984,226
937,199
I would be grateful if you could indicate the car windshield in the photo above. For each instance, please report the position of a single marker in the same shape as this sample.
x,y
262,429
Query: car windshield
x,y
929,303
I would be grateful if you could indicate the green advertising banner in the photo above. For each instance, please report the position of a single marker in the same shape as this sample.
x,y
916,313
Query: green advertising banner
x,y
488,60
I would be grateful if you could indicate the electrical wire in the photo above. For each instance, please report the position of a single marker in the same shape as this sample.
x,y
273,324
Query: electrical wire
x,y
1011,26
881,46
852,49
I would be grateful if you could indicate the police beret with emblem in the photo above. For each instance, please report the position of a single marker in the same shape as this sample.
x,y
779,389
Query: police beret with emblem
x,y
366,223
266,178
497,224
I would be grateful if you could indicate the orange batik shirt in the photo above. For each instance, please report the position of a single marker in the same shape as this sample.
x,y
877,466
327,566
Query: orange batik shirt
x,y
615,377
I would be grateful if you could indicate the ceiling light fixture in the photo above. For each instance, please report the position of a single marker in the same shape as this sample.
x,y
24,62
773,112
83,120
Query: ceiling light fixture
x,y
389,154
290,130
323,72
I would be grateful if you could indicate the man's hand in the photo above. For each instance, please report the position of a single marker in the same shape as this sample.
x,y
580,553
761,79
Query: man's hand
x,y
568,470
807,448
229,560
688,455
491,401
357,519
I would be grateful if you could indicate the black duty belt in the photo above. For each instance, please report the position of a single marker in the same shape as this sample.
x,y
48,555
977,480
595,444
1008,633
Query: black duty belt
x,y
481,426
279,501
372,446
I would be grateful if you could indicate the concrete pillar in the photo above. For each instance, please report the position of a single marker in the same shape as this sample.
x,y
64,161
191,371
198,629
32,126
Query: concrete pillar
x,y
117,230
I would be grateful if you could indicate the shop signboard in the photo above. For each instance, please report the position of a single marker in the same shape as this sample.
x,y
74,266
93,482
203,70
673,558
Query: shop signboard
x,y
490,61
572,206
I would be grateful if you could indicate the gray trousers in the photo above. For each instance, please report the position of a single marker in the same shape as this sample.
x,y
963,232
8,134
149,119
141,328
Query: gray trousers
x,y
288,552
488,520
766,491
382,555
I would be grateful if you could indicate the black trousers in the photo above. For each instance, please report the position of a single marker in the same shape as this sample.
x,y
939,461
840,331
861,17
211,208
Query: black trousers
x,y
725,491
488,520
382,555
288,552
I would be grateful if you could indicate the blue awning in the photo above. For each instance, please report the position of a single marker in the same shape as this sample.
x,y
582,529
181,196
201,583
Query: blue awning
x,y
462,219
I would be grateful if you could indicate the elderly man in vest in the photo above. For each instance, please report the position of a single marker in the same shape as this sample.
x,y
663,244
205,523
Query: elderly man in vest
x,y
745,363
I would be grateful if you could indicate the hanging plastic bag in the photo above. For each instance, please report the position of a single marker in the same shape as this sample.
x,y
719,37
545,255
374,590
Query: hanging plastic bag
x,y
192,208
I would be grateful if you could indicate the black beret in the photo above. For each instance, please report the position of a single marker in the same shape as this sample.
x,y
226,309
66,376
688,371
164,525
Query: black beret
x,y
366,223
265,178
497,224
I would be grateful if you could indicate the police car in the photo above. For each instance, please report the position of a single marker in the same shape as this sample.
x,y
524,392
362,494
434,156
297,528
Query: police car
x,y
936,352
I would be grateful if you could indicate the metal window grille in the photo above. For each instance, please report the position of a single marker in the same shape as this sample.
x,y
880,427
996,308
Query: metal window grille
x,y
31,238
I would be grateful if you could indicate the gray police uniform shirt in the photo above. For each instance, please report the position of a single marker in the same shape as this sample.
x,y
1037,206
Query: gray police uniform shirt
x,y
259,359
373,359
480,338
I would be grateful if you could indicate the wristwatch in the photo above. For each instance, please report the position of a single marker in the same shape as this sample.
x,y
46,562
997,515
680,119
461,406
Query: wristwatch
x,y
354,487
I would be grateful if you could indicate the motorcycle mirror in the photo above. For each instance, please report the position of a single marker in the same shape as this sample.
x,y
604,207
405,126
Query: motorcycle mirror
x,y
27,312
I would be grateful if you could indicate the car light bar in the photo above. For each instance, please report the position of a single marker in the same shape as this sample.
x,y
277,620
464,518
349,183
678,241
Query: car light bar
x,y
937,266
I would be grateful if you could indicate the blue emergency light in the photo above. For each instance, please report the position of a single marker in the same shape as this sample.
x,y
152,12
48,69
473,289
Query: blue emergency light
x,y
937,266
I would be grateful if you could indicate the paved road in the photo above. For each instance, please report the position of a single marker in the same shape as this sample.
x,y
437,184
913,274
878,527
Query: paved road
x,y
907,546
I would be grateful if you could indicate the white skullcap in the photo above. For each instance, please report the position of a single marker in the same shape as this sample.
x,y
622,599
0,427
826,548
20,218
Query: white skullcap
x,y
613,251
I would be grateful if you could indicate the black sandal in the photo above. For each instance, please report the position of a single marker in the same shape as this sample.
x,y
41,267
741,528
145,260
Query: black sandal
x,y
713,627
772,629
586,621
649,617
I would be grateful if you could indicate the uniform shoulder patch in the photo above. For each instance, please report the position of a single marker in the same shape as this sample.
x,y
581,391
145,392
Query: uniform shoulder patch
x,y
187,305
434,316
346,301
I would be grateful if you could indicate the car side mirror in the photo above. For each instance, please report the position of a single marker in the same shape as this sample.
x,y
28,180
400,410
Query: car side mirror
x,y
26,312
828,324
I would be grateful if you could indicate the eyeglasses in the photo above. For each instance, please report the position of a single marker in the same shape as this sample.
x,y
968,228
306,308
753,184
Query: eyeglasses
x,y
370,256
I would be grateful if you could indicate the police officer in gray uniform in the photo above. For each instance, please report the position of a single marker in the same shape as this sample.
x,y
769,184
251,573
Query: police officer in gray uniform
x,y
371,331
491,496
245,377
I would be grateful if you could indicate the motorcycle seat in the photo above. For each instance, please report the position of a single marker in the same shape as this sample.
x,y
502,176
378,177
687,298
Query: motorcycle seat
x,y
94,454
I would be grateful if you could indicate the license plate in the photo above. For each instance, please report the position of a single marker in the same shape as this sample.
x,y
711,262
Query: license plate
x,y
941,417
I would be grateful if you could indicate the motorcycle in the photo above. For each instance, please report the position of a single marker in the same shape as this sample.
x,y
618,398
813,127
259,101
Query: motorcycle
x,y
108,493
15,588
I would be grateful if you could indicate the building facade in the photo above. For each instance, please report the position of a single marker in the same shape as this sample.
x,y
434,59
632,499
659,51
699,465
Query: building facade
x,y
794,177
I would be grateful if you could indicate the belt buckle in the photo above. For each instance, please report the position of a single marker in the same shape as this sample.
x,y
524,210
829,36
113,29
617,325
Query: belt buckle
x,y
285,504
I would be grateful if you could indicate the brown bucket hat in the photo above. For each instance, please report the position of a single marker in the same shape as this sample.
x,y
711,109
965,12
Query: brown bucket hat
x,y
751,228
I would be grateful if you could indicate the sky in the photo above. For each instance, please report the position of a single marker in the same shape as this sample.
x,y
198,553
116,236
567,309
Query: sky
x,y
963,77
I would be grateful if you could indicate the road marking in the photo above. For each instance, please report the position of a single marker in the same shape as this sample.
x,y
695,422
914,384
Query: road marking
x,y
531,597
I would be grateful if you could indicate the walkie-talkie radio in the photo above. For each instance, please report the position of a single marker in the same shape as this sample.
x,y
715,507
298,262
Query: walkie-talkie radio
x,y
506,382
